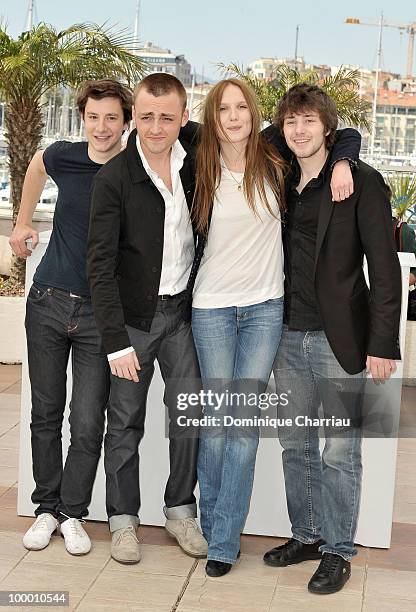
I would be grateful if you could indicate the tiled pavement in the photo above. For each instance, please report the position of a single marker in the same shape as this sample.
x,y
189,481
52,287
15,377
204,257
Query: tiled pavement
x,y
167,580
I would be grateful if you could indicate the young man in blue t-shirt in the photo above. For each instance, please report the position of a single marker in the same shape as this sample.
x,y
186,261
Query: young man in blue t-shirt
x,y
59,318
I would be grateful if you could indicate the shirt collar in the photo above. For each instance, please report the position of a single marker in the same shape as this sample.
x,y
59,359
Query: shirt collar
x,y
178,154
295,172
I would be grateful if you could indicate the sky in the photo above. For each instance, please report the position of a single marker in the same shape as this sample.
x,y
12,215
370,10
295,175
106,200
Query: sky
x,y
216,31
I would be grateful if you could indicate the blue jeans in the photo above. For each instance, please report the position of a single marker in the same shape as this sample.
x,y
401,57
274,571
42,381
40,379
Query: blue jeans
x,y
233,344
323,493
56,324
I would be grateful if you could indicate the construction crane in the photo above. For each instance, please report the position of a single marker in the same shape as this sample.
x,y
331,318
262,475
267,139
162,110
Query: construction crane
x,y
410,28
30,19
137,25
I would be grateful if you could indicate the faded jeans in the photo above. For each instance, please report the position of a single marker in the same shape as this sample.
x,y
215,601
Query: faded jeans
x,y
233,344
323,492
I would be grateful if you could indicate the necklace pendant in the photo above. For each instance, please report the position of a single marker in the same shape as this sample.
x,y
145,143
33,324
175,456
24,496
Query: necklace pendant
x,y
239,187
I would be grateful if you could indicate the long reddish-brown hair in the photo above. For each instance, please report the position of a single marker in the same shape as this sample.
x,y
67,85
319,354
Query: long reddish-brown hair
x,y
263,163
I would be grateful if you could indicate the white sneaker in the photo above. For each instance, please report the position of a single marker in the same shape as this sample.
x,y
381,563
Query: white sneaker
x,y
77,541
39,534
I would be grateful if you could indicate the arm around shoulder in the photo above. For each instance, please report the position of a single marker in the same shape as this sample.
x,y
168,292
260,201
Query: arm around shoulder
x,y
345,154
347,145
190,132
273,136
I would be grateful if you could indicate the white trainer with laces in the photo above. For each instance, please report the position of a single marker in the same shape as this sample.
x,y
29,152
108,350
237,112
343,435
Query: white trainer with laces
x,y
39,534
77,541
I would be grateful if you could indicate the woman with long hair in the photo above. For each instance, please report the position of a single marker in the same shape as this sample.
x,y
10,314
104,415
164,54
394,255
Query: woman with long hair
x,y
237,308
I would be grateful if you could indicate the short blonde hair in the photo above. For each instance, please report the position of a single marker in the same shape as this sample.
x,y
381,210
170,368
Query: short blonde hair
x,y
161,84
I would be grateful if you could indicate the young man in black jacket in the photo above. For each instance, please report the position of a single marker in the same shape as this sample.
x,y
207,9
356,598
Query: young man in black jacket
x,y
334,327
140,252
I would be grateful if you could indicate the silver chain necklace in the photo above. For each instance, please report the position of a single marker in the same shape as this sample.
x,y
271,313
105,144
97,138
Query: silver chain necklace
x,y
238,183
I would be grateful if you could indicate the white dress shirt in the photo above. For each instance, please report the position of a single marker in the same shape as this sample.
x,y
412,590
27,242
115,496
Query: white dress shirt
x,y
178,240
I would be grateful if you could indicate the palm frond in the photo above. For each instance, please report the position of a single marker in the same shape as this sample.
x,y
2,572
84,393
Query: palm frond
x,y
343,88
43,58
403,194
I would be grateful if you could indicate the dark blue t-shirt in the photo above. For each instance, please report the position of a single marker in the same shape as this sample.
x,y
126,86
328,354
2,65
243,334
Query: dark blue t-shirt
x,y
64,263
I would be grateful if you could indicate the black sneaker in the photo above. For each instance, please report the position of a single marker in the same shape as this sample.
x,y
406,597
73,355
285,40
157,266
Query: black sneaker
x,y
293,552
331,575
215,569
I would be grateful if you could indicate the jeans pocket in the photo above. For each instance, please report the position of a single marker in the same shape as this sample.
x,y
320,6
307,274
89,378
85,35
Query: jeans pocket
x,y
37,293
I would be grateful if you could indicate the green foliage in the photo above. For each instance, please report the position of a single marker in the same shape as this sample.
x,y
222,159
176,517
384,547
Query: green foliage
x,y
39,61
403,195
267,93
44,58
342,87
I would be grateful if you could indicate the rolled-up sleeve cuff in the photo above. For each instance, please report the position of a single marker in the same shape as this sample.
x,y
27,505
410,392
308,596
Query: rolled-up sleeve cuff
x,y
121,353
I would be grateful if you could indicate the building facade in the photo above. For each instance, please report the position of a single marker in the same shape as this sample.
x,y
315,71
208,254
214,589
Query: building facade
x,y
163,60
395,125
265,67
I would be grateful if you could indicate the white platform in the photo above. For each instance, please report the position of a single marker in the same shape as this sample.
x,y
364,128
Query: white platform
x,y
268,513
410,355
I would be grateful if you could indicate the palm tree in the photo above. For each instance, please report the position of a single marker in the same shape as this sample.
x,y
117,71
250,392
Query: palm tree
x,y
403,195
40,60
342,87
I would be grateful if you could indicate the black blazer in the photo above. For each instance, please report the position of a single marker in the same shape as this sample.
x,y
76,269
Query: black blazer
x,y
125,244
358,321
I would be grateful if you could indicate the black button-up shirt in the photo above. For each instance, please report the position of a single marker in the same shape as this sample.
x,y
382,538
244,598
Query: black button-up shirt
x,y
299,241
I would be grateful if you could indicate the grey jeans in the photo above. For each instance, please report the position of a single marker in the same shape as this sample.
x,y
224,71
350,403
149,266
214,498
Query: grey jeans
x,y
169,342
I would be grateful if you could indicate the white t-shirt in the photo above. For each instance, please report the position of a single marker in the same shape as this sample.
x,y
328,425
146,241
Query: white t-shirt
x,y
243,257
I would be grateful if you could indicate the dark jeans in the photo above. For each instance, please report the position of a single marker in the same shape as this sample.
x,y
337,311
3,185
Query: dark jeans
x,y
56,324
170,342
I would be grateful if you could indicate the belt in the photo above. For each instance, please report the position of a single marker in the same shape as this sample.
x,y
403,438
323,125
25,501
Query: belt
x,y
166,296
51,290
